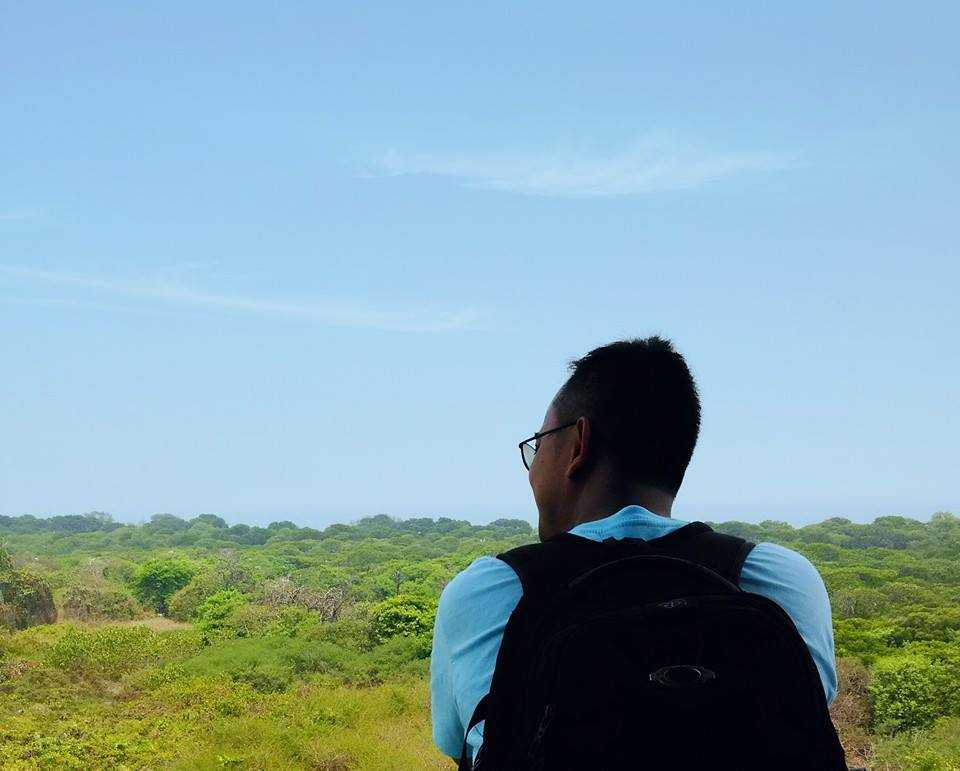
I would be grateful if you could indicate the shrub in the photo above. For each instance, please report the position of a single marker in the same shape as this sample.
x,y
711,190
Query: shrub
x,y
25,598
206,696
255,621
156,580
911,691
355,633
32,643
214,613
263,678
869,639
328,603
182,604
8,616
107,652
406,615
401,655
937,749
851,711
228,572
260,664
95,603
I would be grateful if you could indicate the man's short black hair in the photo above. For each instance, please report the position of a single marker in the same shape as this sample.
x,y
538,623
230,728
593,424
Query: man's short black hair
x,y
642,400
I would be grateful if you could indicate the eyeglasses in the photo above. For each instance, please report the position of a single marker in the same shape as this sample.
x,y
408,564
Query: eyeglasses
x,y
529,447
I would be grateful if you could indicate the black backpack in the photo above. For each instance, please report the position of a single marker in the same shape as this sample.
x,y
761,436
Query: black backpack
x,y
633,654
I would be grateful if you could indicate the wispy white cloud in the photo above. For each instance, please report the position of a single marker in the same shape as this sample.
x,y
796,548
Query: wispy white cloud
x,y
88,305
652,164
347,314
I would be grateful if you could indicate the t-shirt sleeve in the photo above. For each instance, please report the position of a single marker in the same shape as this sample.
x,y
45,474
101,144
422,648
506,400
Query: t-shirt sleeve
x,y
789,579
473,612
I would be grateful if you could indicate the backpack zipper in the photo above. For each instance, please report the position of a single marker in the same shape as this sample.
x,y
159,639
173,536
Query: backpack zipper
x,y
534,752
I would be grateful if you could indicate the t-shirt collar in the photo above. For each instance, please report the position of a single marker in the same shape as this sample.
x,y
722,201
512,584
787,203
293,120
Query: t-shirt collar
x,y
633,513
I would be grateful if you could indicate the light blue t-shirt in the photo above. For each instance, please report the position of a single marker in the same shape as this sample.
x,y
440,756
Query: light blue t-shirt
x,y
476,604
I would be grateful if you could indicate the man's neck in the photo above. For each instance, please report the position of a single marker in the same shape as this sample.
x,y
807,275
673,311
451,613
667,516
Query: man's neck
x,y
592,507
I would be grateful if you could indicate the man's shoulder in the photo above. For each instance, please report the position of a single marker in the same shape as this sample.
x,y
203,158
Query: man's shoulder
x,y
789,578
778,564
473,588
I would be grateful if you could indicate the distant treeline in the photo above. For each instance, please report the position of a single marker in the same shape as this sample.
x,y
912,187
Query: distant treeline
x,y
176,531
938,537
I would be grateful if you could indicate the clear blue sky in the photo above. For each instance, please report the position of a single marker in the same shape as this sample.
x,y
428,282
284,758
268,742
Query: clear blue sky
x,y
315,260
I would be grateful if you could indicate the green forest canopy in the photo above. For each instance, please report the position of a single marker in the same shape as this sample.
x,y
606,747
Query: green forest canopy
x,y
285,615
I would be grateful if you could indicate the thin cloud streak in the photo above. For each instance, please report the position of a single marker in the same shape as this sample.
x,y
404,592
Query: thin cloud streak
x,y
332,313
88,305
654,164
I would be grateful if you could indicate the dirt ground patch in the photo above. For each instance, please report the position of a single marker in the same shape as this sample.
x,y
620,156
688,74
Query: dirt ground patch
x,y
156,623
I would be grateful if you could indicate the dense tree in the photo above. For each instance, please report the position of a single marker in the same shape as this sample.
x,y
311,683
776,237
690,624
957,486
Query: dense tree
x,y
911,691
211,519
157,580
407,615
166,523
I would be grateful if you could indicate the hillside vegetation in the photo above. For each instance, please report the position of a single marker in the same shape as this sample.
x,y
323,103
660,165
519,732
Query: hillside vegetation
x,y
191,644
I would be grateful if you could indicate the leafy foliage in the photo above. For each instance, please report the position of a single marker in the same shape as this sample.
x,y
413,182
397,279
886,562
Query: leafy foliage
x,y
25,598
911,691
158,579
405,615
105,652
214,612
302,648
83,602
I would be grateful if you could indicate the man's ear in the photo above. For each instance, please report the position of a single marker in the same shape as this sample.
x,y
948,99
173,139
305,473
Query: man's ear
x,y
581,450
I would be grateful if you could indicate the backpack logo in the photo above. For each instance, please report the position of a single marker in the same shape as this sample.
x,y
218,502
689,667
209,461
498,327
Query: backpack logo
x,y
683,676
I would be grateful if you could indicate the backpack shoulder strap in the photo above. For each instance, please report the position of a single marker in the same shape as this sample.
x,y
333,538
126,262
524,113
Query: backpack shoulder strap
x,y
545,567
699,543
479,714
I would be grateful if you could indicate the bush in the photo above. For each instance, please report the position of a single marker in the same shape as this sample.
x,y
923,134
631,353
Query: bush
x,y
911,691
255,621
327,603
111,651
851,711
405,615
25,599
258,663
30,644
937,749
214,613
94,603
263,678
355,633
182,604
262,621
106,652
402,655
868,639
156,580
